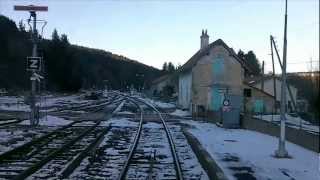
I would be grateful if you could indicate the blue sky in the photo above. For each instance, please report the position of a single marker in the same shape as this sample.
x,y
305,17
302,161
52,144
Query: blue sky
x,y
156,31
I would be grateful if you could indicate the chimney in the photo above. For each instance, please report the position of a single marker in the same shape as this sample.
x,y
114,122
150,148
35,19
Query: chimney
x,y
204,39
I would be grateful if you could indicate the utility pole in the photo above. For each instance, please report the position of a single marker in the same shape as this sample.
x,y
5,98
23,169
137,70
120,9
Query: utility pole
x,y
288,87
274,78
262,76
34,62
281,152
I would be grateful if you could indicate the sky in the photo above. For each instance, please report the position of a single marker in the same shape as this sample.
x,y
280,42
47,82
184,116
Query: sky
x,y
153,32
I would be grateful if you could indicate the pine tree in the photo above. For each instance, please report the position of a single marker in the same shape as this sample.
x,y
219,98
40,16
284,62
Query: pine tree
x,y
171,67
165,67
21,26
55,36
251,60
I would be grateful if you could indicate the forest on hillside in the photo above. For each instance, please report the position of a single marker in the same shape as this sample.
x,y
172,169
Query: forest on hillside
x,y
66,67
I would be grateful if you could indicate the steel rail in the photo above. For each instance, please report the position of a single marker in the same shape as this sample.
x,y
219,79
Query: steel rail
x,y
46,139
48,158
134,145
105,102
136,140
75,163
17,120
172,145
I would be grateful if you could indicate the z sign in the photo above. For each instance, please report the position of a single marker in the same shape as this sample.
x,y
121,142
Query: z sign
x,y
33,63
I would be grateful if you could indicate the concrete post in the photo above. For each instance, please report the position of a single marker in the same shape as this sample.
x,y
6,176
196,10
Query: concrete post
x,y
281,152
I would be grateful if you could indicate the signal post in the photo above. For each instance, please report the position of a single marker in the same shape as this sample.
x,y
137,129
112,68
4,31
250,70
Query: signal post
x,y
33,62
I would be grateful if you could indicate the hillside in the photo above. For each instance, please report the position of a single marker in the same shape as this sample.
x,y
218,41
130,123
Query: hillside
x,y
67,67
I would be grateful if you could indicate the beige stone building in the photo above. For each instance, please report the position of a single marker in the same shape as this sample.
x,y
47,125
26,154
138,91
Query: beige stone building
x,y
213,74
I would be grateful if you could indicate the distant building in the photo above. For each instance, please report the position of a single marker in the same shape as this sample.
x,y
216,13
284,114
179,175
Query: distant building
x,y
257,101
302,105
213,74
163,84
266,84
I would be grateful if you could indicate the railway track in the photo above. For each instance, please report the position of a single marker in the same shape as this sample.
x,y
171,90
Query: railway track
x,y
136,144
155,163
53,155
10,121
91,107
107,161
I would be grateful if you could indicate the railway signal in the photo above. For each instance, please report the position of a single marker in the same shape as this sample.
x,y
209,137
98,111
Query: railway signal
x,y
34,62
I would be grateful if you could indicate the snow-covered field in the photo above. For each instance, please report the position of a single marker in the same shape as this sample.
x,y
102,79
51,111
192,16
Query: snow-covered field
x,y
244,154
47,103
12,137
295,122
49,121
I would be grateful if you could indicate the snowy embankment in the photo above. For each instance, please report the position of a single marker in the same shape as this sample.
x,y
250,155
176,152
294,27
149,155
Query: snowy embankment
x,y
294,122
244,154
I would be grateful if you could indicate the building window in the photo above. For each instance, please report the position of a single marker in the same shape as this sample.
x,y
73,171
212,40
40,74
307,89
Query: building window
x,y
247,92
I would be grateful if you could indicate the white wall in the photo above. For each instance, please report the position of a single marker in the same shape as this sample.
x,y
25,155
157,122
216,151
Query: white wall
x,y
268,87
184,99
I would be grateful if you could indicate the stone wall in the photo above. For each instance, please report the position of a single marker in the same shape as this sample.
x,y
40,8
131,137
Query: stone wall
x,y
303,138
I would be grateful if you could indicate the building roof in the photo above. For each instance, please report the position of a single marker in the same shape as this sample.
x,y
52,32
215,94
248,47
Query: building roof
x,y
257,89
257,79
252,80
196,57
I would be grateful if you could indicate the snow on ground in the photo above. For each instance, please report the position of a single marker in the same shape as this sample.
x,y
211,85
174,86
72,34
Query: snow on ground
x,y
125,113
291,121
163,105
119,107
158,103
120,121
49,121
51,100
246,154
15,103
12,137
15,107
180,113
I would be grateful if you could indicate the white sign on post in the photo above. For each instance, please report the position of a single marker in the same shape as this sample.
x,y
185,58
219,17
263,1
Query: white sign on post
x,y
36,77
33,63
